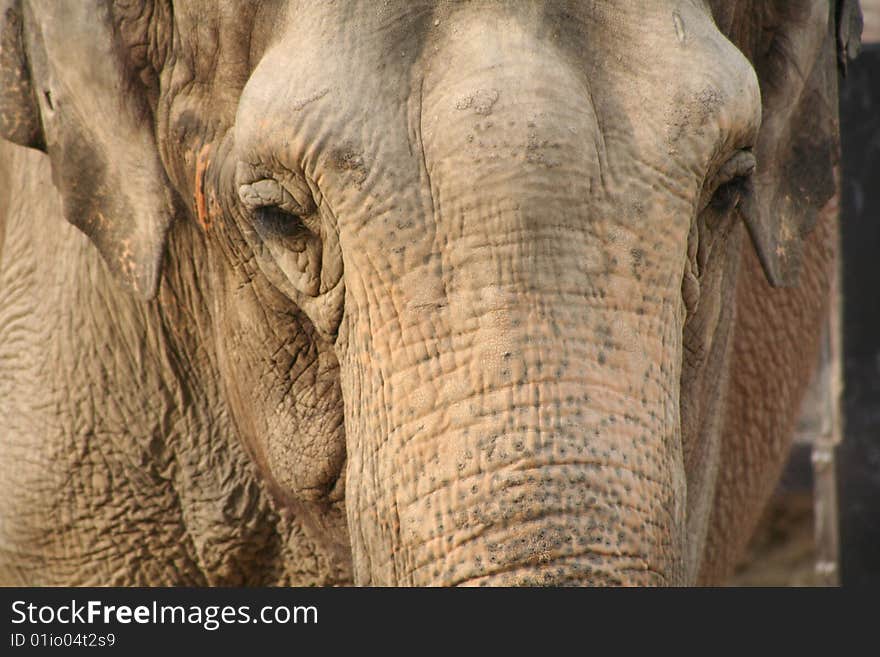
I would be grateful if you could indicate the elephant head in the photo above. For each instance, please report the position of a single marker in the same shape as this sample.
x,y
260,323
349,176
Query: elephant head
x,y
471,266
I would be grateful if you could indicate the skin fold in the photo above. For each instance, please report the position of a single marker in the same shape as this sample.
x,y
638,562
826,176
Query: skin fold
x,y
406,293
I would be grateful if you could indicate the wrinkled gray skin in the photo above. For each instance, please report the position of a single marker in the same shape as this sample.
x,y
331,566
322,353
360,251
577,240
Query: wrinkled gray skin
x,y
405,292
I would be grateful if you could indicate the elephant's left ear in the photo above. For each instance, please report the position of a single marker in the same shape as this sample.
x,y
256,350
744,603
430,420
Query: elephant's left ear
x,y
66,90
796,48
849,30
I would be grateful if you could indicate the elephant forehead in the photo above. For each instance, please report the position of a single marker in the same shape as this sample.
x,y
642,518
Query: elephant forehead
x,y
661,74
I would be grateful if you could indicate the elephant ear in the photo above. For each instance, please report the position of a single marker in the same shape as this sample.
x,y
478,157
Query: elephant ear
x,y
65,89
849,30
795,48
19,118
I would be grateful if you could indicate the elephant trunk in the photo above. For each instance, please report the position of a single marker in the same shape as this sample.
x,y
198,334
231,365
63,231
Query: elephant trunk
x,y
512,412
523,448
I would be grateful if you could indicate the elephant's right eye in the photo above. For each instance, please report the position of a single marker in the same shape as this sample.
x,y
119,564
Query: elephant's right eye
x,y
275,214
273,222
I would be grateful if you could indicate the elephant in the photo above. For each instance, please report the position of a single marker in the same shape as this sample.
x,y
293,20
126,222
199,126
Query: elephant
x,y
417,292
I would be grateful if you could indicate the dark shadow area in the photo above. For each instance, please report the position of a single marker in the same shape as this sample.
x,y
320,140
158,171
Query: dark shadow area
x,y
859,455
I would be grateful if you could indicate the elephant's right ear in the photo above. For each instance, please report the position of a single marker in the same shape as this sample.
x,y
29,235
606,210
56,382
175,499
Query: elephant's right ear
x,y
19,115
65,89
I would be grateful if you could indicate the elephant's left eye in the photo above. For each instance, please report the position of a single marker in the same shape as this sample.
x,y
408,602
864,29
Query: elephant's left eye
x,y
732,182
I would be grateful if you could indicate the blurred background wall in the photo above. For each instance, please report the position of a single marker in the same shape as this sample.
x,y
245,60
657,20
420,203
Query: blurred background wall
x,y
871,9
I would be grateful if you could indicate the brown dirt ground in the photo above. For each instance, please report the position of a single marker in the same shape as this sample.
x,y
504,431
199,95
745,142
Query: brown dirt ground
x,y
782,552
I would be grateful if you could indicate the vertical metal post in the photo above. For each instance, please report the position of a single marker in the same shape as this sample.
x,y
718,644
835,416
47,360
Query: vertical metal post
x,y
827,524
